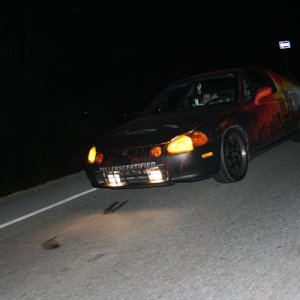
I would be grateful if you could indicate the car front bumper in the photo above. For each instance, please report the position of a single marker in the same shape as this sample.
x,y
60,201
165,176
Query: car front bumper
x,y
165,170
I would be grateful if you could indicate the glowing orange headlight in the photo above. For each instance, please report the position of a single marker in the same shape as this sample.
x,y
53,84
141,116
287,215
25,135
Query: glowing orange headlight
x,y
180,144
94,156
187,142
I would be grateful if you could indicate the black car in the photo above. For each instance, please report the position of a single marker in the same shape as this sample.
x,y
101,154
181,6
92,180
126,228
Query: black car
x,y
208,125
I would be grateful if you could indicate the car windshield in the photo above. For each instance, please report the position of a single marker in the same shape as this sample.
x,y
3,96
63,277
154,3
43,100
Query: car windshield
x,y
196,93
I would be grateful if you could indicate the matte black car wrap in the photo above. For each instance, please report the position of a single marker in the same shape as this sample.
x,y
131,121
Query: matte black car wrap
x,y
180,137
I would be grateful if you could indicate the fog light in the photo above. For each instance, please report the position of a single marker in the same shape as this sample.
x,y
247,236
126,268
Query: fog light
x,y
114,179
155,175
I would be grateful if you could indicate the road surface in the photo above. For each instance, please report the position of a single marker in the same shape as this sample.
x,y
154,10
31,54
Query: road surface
x,y
198,240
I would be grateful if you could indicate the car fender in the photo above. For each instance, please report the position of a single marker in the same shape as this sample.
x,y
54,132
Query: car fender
x,y
220,128
239,129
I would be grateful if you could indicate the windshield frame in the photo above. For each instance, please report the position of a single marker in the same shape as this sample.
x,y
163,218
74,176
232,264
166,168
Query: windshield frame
x,y
184,91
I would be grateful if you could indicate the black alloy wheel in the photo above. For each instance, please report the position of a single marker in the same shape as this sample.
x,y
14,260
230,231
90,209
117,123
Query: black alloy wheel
x,y
234,158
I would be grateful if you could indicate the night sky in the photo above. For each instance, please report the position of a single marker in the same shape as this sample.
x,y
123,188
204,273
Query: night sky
x,y
129,52
68,70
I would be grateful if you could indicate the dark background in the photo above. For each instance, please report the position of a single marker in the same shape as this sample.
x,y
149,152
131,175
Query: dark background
x,y
70,71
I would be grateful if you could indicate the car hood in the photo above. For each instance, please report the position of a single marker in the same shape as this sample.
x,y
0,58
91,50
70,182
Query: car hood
x,y
156,129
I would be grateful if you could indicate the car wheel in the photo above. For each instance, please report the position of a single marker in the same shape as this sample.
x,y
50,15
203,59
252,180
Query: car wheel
x,y
233,159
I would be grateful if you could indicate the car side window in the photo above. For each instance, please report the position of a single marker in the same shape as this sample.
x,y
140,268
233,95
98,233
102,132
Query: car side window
x,y
252,81
246,90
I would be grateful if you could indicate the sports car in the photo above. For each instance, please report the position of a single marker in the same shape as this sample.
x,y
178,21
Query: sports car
x,y
207,125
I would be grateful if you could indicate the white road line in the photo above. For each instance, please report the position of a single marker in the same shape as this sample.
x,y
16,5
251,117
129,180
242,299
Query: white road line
x,y
46,208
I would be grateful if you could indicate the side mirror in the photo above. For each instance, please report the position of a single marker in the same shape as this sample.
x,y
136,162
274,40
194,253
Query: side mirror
x,y
261,94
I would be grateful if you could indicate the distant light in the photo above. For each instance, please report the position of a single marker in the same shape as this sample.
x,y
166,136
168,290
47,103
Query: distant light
x,y
284,44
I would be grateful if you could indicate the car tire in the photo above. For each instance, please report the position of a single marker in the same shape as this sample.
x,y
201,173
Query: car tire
x,y
233,158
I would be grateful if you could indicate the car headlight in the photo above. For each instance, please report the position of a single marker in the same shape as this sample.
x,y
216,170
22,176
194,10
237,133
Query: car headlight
x,y
187,142
94,156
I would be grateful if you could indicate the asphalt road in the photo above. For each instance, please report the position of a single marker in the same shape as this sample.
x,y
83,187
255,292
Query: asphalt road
x,y
199,240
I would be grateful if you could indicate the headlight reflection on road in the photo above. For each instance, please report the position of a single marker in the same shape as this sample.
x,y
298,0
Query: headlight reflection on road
x,y
107,230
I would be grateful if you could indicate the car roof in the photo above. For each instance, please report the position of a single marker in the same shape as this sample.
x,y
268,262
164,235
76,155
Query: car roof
x,y
223,71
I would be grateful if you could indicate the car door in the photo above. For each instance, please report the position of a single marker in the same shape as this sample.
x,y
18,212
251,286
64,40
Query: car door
x,y
288,94
268,122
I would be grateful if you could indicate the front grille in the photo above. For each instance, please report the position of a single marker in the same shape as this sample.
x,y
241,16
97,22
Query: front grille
x,y
152,175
